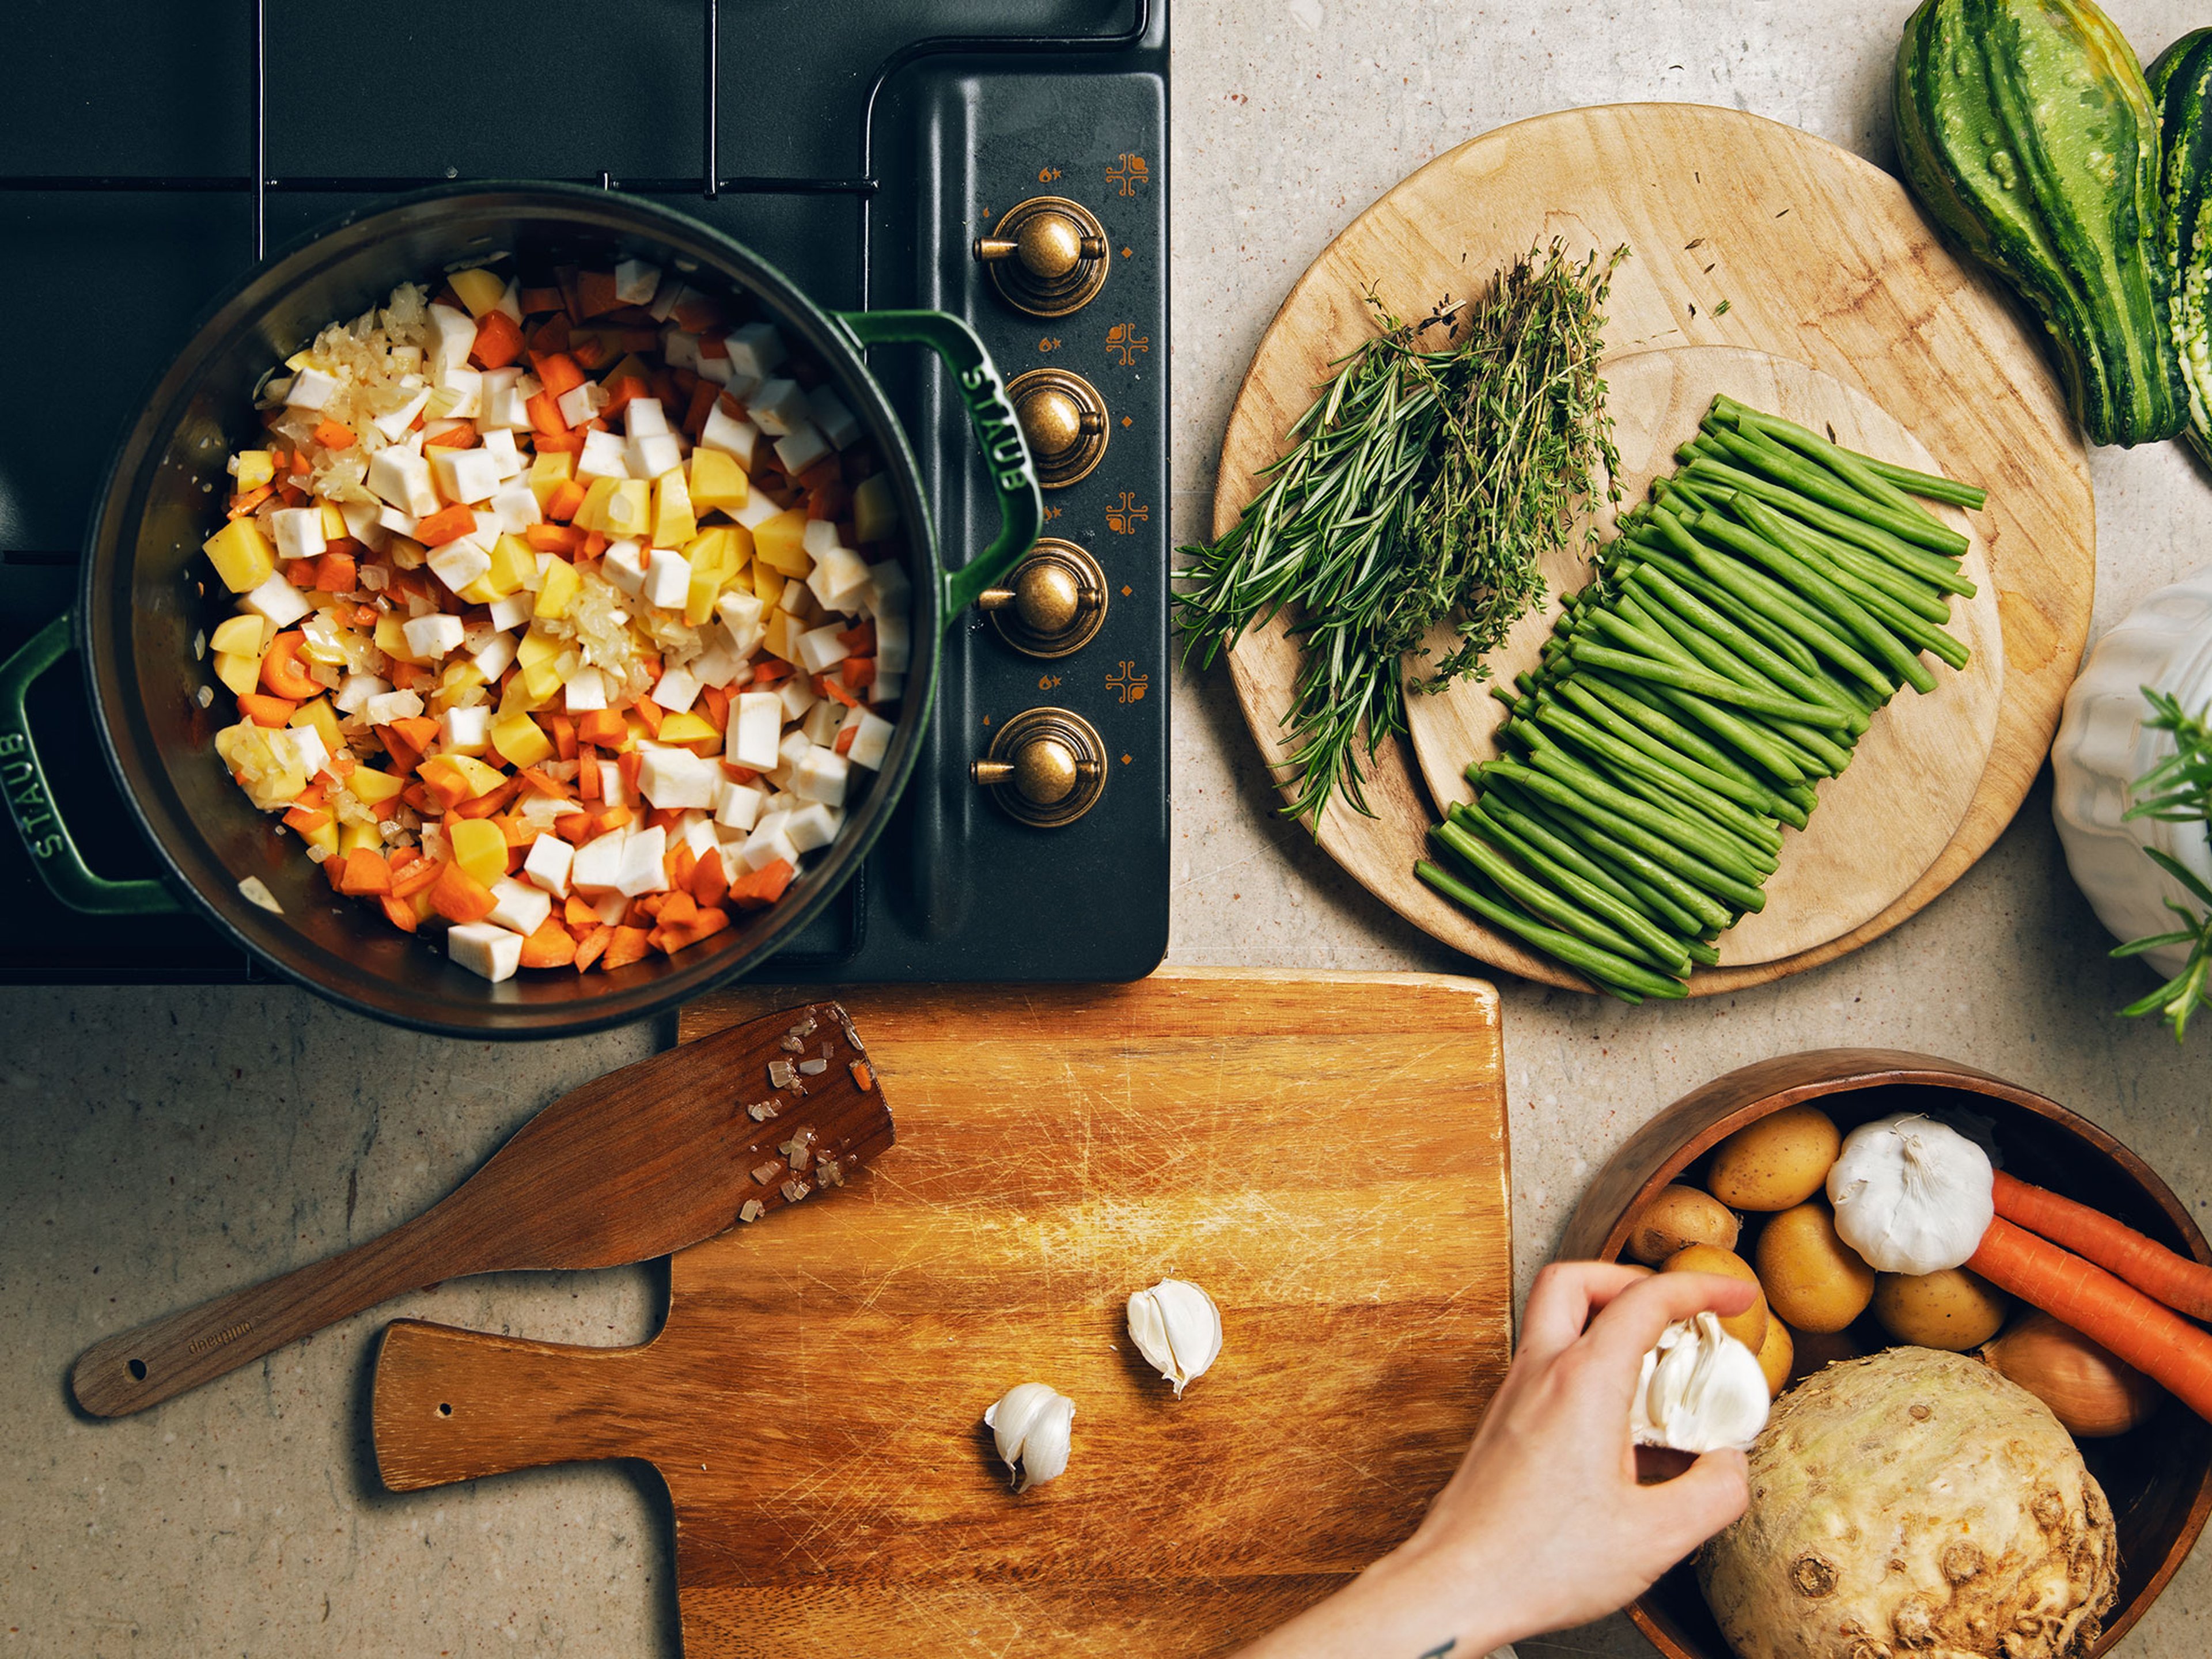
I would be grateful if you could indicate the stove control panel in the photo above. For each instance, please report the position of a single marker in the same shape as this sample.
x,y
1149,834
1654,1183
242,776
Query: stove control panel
x,y
1064,419
1054,602
1047,766
1048,256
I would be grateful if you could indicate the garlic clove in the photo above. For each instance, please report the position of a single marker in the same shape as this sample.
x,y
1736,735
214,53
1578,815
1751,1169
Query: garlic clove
x,y
1177,1329
1700,1390
1032,1426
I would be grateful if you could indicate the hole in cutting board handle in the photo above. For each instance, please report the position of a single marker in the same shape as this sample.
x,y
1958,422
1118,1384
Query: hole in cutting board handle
x,y
138,1369
444,1408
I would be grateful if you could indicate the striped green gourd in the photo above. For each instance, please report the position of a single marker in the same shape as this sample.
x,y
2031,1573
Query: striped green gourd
x,y
2026,127
2181,81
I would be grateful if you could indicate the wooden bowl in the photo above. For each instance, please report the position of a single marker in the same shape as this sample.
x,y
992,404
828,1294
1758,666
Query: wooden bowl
x,y
2158,1477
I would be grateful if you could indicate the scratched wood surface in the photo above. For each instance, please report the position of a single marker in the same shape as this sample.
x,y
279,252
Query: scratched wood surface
x,y
1325,1152
1822,259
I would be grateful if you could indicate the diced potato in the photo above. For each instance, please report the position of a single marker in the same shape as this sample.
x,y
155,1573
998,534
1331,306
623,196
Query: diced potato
x,y
334,524
875,508
536,646
717,480
522,740
627,510
597,494
374,787
392,640
672,522
549,472
767,582
241,556
320,715
556,589
240,674
241,636
325,837
483,777
479,846
250,469
692,731
359,838
779,542
541,680
782,637
479,290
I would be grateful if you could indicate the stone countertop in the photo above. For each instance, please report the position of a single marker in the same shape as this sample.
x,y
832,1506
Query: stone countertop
x,y
158,1147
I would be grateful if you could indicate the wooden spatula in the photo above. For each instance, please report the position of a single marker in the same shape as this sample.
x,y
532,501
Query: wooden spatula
x,y
636,1164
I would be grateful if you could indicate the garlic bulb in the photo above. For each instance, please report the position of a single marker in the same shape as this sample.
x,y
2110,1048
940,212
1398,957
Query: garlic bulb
x,y
1911,1196
1701,1390
1177,1329
1031,1423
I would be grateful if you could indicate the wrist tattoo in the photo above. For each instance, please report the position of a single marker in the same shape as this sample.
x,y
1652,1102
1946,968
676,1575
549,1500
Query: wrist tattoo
x,y
1439,1652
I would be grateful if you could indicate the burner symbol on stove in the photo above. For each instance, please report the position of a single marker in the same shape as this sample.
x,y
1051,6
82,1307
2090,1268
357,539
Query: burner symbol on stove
x,y
1124,518
1047,175
1123,341
1127,684
1047,343
1128,172
1048,682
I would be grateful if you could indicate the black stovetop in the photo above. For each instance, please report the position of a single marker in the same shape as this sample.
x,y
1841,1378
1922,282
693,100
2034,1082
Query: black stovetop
x,y
860,144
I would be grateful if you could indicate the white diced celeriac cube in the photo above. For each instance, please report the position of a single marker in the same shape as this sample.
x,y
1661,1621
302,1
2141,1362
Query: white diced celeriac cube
x,y
798,600
698,833
887,687
801,448
676,690
823,721
519,905
755,350
755,724
613,791
796,696
643,866
716,368
459,561
501,406
596,867
610,908
601,457
872,740
636,282
464,390
623,564
893,642
312,389
482,948
676,778
302,745
546,863
756,510
680,348
815,824
587,691
838,423
395,523
887,588
732,436
393,425
819,537
277,601
791,751
362,524
768,843
652,455
820,647
738,805
643,418
579,403
513,610
299,532
838,580
741,613
466,731
355,690
542,812
493,657
433,636
517,508
719,663
384,706
667,579
451,335
821,777
468,475
510,299
403,477
779,407
510,460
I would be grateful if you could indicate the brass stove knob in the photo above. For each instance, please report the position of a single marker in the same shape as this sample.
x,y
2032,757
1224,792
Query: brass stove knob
x,y
1053,604
1064,419
1047,766
1047,256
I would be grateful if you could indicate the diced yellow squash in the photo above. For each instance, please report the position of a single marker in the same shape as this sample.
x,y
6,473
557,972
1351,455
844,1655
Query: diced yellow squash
x,y
875,508
324,836
359,838
479,290
334,524
522,740
241,636
717,482
673,523
241,556
391,640
628,512
555,588
549,472
240,674
324,719
597,494
767,582
374,787
781,542
250,469
479,848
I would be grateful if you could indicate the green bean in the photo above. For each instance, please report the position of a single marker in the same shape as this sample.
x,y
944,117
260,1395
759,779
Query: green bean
x,y
1713,654
1780,641
1523,816
1675,787
1529,891
1630,701
1721,564
1732,882
1862,470
1873,537
1808,683
1664,948
1814,482
1931,486
1734,785
1685,908
1708,685
1615,973
1786,761
1913,628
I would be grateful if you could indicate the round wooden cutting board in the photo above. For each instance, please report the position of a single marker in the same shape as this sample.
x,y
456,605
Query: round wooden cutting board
x,y
1915,771
1822,261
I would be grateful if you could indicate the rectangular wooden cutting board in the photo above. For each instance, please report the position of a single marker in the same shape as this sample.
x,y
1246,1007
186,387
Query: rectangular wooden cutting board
x,y
1326,1153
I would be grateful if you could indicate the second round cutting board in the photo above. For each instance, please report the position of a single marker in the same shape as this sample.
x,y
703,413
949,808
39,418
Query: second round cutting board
x,y
1822,259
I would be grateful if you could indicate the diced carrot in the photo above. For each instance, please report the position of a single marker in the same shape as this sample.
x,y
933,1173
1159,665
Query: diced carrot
x,y
462,434
714,703
627,945
553,537
630,764
574,828
587,774
611,817
594,544
444,524
342,766
518,830
412,873
264,710
422,800
577,913
490,803
680,861
669,937
757,889
551,947
558,372
603,728
595,292
533,779
702,405
460,897
409,676
859,638
621,390
281,672
678,909
299,464
696,311
591,349
645,908
828,685
536,301
544,411
307,820
709,885
300,573
499,340
563,730
398,912
448,785
420,730
843,746
337,572
366,874
664,817
334,434
593,946
769,670
313,795
649,712
243,504
740,773
552,443
563,499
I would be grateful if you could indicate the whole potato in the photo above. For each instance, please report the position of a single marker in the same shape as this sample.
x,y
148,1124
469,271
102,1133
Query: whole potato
x,y
1813,1280
1676,1218
1818,1350
1781,1160
1953,1308
1749,1327
1777,1357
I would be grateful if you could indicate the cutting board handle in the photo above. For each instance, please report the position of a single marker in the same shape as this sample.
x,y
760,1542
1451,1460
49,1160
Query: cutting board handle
x,y
452,1405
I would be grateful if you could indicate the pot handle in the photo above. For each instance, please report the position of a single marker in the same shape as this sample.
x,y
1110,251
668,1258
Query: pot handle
x,y
31,804
1021,503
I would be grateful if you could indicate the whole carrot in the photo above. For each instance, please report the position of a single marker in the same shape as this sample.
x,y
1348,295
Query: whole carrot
x,y
2147,1335
2152,1268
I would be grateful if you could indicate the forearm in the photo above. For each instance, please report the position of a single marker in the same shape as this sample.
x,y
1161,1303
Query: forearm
x,y
1406,1606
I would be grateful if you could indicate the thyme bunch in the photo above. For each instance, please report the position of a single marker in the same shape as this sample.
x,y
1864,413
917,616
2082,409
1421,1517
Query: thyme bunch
x,y
1423,481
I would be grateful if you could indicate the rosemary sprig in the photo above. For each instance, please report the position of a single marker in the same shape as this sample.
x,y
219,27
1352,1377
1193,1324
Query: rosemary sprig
x,y
1420,483
2178,790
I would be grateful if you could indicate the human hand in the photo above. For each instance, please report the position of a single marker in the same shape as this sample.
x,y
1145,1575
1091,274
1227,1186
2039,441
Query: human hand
x,y
1545,1524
